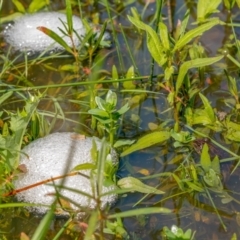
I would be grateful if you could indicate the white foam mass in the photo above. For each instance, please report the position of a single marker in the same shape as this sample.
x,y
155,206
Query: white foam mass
x,y
49,157
23,35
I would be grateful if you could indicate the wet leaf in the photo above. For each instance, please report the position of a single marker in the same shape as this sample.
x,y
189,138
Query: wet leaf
x,y
147,141
135,185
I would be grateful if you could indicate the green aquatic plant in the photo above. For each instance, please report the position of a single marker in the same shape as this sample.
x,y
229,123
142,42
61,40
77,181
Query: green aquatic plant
x,y
107,114
176,233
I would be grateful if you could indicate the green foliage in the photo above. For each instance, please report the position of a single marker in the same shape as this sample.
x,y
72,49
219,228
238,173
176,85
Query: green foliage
x,y
176,233
133,184
206,8
107,114
147,141
34,6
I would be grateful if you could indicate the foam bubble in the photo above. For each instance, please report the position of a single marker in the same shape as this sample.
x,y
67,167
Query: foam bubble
x,y
50,157
23,35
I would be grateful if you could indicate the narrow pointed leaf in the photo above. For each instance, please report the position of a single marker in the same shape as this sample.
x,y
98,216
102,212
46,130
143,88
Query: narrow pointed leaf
x,y
189,36
196,63
135,185
140,211
208,108
154,44
69,16
164,35
55,37
205,158
147,141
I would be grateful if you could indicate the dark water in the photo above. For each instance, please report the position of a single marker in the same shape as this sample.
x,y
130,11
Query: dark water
x,y
189,212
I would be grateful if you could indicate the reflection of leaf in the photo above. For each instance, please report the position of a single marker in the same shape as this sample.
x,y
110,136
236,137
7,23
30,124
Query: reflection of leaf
x,y
147,141
133,184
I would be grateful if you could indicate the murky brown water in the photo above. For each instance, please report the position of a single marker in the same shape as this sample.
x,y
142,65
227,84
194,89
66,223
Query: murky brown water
x,y
189,212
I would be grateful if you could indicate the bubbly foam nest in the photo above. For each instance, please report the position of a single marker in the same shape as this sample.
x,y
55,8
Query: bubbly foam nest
x,y
23,35
50,157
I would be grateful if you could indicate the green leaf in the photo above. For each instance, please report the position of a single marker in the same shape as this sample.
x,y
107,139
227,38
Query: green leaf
x,y
183,25
56,38
140,211
154,44
232,86
189,36
101,103
130,74
115,76
147,141
133,184
164,35
5,96
168,72
216,165
196,63
37,5
238,3
69,16
43,227
92,225
123,142
206,7
19,6
99,113
123,109
208,108
111,99
84,166
195,186
205,158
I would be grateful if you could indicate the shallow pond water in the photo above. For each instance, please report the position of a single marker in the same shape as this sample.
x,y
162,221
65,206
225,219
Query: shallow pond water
x,y
149,109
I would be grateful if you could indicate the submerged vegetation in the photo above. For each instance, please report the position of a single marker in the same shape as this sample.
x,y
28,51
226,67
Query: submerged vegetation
x,y
164,93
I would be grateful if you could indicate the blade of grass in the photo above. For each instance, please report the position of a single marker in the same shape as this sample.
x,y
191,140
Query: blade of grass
x,y
140,211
